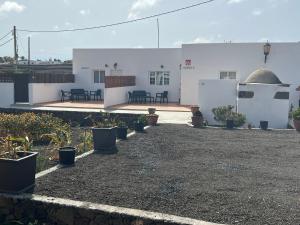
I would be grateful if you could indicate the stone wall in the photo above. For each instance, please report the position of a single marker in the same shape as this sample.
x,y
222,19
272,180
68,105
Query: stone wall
x,y
52,211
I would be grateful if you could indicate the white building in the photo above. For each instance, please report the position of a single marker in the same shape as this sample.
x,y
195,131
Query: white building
x,y
196,74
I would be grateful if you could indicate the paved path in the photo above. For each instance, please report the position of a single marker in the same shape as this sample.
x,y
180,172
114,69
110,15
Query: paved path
x,y
164,116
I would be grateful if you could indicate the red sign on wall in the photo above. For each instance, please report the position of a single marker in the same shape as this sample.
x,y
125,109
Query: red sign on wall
x,y
188,62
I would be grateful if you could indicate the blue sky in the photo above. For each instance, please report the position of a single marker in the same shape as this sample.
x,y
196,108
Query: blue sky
x,y
222,20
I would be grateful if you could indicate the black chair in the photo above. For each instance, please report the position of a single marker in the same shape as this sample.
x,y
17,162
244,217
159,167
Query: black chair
x,y
162,97
64,95
130,97
96,95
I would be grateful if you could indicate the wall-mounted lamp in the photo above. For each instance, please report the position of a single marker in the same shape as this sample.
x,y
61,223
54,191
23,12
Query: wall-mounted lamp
x,y
115,66
106,65
161,66
267,49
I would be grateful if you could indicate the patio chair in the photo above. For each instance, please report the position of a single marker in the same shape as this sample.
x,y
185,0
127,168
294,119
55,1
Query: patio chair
x,y
130,97
162,97
64,95
77,93
96,95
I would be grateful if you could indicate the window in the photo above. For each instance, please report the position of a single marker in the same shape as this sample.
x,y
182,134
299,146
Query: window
x,y
228,75
282,95
152,78
159,78
246,94
99,76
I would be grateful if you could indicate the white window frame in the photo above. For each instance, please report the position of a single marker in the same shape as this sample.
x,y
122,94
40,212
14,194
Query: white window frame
x,y
159,78
100,81
227,77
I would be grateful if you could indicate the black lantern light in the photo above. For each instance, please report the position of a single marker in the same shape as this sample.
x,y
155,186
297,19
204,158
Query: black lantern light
x,y
267,49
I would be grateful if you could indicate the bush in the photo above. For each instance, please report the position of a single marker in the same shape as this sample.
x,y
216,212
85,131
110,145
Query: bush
x,y
31,125
223,113
296,114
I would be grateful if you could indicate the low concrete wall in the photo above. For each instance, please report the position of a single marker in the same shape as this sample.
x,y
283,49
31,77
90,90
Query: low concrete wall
x,y
115,96
7,94
28,208
46,92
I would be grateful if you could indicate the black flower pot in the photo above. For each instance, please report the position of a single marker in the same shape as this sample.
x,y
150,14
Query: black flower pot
x,y
122,133
67,155
264,125
104,139
229,124
18,175
139,126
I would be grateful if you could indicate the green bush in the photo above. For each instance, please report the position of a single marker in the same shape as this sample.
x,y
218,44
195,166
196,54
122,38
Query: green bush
x,y
296,114
223,113
31,125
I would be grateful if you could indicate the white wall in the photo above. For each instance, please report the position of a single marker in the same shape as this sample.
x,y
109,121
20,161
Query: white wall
x,y
116,96
215,93
136,62
244,58
47,92
7,94
263,106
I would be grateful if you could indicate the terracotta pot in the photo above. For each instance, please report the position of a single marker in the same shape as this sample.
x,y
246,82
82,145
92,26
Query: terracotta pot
x,y
297,125
194,109
197,121
152,119
151,110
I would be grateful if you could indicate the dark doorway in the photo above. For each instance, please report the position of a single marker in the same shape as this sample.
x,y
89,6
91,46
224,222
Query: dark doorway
x,y
21,87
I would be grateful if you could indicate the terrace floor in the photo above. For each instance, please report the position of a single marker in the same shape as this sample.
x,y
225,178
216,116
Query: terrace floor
x,y
224,176
174,107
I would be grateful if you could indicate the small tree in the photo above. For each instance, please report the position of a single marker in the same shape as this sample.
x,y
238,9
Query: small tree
x,y
223,113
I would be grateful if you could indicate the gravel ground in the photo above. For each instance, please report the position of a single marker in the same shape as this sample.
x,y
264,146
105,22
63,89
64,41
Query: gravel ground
x,y
217,175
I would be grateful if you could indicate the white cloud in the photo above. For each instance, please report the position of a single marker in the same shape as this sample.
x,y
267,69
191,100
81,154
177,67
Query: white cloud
x,y
114,33
140,5
257,12
234,1
84,12
10,6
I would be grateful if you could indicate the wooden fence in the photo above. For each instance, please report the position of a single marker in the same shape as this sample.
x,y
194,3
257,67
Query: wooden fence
x,y
119,81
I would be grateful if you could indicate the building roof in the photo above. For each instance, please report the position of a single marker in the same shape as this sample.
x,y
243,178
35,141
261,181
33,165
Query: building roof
x,y
263,76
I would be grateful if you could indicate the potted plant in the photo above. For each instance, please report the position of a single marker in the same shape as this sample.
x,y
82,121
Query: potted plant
x,y
17,165
296,119
151,110
104,136
227,117
152,119
197,119
264,125
140,123
122,130
62,152
194,109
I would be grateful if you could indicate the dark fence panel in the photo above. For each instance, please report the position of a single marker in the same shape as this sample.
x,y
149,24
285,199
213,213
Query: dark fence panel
x,y
119,81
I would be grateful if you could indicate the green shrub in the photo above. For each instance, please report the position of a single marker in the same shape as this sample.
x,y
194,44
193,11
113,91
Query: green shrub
x,y
223,113
31,125
296,114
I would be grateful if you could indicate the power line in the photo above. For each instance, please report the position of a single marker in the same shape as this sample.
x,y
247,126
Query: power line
x,y
118,23
5,35
6,42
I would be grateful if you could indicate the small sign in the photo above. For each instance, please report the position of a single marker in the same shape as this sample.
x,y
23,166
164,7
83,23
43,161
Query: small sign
x,y
188,65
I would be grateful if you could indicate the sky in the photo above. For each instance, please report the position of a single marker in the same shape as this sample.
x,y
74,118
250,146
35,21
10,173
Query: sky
x,y
219,21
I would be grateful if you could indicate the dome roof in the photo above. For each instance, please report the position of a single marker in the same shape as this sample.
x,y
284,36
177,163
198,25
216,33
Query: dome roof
x,y
263,76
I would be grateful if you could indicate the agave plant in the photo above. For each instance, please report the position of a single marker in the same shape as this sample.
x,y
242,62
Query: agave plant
x,y
9,146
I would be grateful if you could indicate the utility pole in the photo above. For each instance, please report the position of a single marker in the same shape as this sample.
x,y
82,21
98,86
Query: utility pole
x,y
157,33
28,51
15,45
